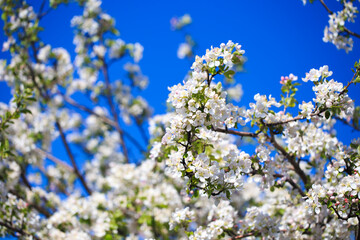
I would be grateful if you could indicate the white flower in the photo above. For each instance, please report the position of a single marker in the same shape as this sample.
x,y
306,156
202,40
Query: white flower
x,y
99,50
306,109
184,50
44,53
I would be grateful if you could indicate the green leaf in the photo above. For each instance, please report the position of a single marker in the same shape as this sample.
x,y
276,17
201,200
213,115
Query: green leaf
x,y
229,74
108,237
357,80
228,194
196,193
25,111
3,16
327,114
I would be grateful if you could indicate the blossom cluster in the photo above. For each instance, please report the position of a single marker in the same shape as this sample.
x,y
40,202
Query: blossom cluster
x,y
336,32
329,93
180,22
201,106
333,32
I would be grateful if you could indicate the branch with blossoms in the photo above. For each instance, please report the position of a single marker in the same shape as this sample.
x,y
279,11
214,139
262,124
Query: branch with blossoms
x,y
18,230
337,33
318,111
204,114
331,13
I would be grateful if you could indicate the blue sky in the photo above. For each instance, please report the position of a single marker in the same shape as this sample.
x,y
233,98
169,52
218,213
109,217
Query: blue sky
x,y
280,37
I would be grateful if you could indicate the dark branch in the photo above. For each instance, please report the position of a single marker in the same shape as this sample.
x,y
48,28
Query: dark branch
x,y
113,109
237,133
345,29
18,230
291,159
72,159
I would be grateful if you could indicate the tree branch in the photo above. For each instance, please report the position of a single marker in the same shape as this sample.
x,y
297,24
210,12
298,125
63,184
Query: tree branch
x,y
18,230
72,159
237,133
113,109
292,183
38,208
243,235
292,161
345,29
338,215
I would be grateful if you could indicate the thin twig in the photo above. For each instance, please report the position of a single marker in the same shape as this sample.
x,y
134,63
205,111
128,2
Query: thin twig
x,y
349,83
55,159
347,123
104,119
88,110
58,184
